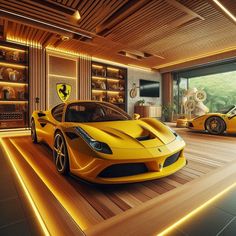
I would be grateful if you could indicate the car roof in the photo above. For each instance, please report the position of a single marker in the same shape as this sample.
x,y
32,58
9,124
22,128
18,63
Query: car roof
x,y
80,101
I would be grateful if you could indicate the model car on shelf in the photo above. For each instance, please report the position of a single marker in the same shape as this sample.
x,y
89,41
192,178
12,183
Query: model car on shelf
x,y
101,143
216,123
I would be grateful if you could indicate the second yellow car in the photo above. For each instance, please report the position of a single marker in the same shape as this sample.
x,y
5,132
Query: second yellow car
x,y
216,123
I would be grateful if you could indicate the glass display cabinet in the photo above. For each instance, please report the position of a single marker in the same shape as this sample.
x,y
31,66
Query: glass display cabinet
x,y
109,84
14,87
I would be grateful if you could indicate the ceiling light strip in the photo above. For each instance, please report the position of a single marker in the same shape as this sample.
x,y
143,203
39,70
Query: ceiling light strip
x,y
219,4
45,23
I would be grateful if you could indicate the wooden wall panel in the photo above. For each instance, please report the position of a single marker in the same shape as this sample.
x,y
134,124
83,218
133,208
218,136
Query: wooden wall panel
x,y
167,88
37,78
85,78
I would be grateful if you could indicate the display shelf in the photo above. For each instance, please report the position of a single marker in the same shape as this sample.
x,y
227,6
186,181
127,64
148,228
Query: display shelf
x,y
109,84
13,83
14,87
13,63
13,100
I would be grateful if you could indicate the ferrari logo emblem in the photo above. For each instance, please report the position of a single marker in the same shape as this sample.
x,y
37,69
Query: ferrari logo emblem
x,y
63,91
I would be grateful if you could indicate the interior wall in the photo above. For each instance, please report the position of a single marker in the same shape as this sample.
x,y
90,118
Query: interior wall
x,y
167,88
61,69
37,80
85,78
134,75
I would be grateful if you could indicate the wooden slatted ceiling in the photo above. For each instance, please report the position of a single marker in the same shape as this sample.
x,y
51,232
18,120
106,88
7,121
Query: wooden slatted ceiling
x,y
32,35
161,28
101,203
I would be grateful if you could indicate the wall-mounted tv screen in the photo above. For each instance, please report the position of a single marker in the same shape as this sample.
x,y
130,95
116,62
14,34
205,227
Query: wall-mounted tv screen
x,y
149,88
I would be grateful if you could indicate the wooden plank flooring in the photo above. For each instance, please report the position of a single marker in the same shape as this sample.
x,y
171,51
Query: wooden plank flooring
x,y
204,152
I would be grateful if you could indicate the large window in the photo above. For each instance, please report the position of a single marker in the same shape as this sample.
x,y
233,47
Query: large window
x,y
218,81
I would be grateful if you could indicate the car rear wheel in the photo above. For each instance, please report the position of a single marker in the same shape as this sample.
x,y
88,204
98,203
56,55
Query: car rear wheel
x,y
60,154
33,132
215,125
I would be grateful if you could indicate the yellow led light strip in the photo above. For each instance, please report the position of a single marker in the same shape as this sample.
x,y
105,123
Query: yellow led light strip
x,y
116,80
225,10
196,57
13,83
13,49
35,210
114,92
98,91
12,102
113,69
97,77
68,52
195,211
12,65
71,210
96,59
23,42
97,66
62,76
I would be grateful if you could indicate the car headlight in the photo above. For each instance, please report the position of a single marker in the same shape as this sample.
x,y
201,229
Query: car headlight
x,y
94,144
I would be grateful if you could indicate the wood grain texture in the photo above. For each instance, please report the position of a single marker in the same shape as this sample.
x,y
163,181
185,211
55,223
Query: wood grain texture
x,y
37,80
97,204
188,32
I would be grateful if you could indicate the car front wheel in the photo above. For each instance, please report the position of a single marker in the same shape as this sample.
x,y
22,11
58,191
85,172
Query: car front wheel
x,y
60,154
215,125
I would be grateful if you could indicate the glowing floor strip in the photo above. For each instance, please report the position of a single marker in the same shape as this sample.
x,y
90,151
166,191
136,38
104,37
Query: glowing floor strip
x,y
71,210
36,212
195,211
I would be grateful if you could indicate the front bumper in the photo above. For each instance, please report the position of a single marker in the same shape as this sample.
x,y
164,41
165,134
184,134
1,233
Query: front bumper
x,y
154,162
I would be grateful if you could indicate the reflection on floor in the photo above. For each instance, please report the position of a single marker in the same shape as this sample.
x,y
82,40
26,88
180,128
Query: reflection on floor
x,y
16,216
89,205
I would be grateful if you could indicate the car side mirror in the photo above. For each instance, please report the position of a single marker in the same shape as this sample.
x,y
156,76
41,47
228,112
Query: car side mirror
x,y
136,116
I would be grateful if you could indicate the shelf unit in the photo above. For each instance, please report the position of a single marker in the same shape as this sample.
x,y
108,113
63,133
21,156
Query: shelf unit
x,y
14,86
109,84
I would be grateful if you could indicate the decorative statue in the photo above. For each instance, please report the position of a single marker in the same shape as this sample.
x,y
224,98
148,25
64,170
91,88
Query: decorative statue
x,y
192,102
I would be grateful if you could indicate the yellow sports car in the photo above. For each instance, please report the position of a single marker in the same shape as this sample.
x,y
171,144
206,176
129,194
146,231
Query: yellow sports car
x,y
99,142
216,123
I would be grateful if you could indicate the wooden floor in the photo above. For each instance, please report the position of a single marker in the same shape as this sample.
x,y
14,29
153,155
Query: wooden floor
x,y
204,153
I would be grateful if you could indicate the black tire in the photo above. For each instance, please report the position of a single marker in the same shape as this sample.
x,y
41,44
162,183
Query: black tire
x,y
60,154
33,132
215,125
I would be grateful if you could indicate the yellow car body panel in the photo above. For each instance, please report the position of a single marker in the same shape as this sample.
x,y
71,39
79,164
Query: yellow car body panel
x,y
229,118
124,139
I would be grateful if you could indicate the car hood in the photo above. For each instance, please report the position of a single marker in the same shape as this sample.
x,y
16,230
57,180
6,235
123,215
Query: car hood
x,y
142,133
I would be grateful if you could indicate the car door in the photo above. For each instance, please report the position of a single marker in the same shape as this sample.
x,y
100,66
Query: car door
x,y
231,126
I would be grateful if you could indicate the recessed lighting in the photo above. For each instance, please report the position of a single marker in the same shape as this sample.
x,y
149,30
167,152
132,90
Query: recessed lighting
x,y
76,15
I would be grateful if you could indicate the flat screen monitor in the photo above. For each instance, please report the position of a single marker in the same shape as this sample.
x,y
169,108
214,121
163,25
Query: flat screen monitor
x,y
149,88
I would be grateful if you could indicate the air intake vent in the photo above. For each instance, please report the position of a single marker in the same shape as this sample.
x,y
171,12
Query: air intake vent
x,y
122,170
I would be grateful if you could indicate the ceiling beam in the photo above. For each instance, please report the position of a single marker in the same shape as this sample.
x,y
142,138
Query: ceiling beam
x,y
45,26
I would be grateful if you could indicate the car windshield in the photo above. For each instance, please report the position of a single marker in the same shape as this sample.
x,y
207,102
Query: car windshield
x,y
228,109
94,112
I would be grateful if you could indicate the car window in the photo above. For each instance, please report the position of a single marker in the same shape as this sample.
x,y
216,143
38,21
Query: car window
x,y
57,112
94,112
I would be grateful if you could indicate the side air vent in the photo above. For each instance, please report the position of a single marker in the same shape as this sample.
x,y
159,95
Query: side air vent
x,y
143,138
171,159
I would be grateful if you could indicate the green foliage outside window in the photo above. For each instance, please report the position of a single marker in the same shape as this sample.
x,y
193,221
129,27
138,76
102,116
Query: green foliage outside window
x,y
220,89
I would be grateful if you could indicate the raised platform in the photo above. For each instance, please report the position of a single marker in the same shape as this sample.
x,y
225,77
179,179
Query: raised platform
x,y
68,205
